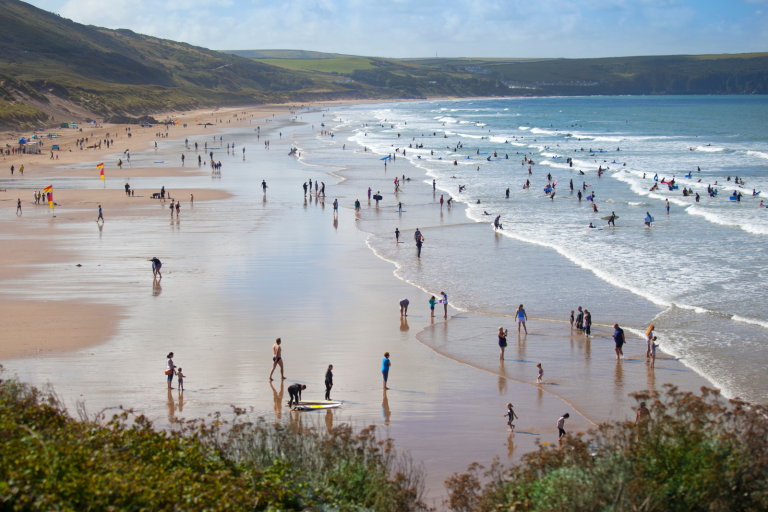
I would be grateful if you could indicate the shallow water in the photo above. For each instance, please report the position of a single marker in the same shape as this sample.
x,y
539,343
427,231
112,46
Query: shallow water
x,y
702,265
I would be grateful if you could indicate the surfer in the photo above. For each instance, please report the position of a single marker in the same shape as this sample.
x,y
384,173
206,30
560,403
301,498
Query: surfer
x,y
594,207
328,382
612,219
497,223
294,393
648,219
508,193
277,358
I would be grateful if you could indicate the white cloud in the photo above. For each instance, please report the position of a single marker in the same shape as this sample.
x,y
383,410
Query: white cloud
x,y
409,28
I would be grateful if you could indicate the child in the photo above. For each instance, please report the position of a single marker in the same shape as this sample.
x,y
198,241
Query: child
x,y
571,320
561,425
511,415
653,351
385,364
541,372
181,379
432,302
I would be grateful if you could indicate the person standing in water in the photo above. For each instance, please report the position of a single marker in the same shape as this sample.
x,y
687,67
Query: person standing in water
x,y
444,300
385,364
561,426
619,340
654,346
502,342
277,358
540,373
328,382
397,236
612,220
649,335
264,185
170,368
521,319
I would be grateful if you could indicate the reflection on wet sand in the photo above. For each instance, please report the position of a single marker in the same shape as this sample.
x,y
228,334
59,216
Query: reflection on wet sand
x,y
171,408
510,444
502,379
385,408
278,398
403,323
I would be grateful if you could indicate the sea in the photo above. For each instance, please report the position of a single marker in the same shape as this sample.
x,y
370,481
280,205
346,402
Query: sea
x,y
701,264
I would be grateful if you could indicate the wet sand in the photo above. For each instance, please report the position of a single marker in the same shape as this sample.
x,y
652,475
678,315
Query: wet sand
x,y
244,268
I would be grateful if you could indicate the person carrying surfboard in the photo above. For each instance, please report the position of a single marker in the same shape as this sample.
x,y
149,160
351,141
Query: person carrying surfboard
x,y
612,219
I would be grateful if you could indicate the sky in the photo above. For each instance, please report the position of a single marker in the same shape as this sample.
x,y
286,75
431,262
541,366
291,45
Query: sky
x,y
450,28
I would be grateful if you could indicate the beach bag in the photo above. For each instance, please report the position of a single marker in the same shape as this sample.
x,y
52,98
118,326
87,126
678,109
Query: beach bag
x,y
169,371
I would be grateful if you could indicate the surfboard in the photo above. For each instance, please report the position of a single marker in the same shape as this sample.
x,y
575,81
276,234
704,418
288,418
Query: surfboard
x,y
732,198
384,158
608,217
377,197
315,407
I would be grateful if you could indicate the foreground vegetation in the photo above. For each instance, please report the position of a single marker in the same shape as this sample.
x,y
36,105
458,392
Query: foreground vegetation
x,y
50,461
694,453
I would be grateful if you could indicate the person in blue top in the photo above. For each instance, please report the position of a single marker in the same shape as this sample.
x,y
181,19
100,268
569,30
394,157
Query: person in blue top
x,y
385,369
648,219
335,207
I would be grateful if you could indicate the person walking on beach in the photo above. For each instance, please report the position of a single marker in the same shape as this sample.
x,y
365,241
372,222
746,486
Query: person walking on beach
x,y
404,307
180,379
441,201
178,207
580,319
170,368
328,382
521,319
397,236
612,219
101,216
369,194
649,335
277,358
335,207
619,339
156,266
432,302
18,206
294,393
511,416
572,320
540,373
305,188
561,426
444,302
419,243
264,185
385,364
502,342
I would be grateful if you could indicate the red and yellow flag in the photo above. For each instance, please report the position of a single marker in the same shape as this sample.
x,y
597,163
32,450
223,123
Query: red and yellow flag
x,y
100,167
48,191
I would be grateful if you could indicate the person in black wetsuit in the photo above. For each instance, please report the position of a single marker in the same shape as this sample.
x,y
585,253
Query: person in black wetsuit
x,y
328,382
294,391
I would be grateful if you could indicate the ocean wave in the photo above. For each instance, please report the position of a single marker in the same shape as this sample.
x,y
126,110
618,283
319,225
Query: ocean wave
x,y
709,149
525,127
758,154
761,323
718,218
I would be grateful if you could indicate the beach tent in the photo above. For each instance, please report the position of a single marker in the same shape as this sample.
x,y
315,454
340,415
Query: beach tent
x,y
22,140
65,125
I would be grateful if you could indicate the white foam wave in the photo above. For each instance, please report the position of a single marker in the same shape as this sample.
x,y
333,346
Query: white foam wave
x,y
709,149
761,323
718,218
758,154
525,127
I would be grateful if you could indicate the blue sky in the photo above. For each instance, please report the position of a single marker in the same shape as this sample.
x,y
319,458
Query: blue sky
x,y
452,28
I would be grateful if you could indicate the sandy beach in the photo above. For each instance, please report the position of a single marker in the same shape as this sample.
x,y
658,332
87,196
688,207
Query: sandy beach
x,y
242,267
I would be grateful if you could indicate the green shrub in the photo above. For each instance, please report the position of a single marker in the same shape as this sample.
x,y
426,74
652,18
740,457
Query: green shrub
x,y
50,461
695,453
